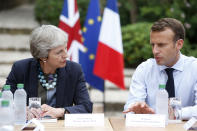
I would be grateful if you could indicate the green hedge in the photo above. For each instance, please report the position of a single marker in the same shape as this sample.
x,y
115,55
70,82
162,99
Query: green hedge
x,y
48,11
136,43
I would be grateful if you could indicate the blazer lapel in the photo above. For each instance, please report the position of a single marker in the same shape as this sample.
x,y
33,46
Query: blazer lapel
x,y
33,79
61,85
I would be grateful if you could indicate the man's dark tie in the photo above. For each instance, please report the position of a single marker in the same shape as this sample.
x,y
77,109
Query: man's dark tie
x,y
170,82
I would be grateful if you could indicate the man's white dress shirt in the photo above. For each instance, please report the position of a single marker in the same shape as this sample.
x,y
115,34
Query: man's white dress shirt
x,y
148,75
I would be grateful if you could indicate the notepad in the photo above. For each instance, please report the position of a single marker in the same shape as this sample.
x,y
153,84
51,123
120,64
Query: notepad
x,y
47,119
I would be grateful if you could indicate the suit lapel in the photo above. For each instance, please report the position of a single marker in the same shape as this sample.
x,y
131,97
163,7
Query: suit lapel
x,y
33,79
61,85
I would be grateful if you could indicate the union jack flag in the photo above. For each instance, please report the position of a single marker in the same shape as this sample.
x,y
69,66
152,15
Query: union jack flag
x,y
70,23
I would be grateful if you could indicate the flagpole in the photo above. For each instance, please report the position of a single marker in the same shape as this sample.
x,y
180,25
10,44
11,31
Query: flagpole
x,y
104,106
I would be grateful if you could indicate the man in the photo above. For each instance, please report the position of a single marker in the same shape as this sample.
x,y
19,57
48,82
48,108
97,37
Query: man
x,y
166,38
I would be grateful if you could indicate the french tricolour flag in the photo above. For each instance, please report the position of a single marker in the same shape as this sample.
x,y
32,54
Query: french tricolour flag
x,y
109,63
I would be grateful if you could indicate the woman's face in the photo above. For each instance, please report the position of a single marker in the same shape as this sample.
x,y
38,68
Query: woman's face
x,y
57,57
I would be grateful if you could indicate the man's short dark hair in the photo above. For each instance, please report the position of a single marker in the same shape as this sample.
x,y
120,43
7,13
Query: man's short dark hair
x,y
171,23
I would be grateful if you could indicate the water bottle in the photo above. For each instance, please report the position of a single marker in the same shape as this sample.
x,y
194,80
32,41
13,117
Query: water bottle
x,y
20,97
6,116
162,102
7,95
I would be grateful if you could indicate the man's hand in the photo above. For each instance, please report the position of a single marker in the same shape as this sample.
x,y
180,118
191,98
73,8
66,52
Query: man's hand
x,y
172,113
53,112
140,108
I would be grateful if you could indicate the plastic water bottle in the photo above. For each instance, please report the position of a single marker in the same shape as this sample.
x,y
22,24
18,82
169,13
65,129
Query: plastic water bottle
x,y
7,95
20,97
162,102
6,116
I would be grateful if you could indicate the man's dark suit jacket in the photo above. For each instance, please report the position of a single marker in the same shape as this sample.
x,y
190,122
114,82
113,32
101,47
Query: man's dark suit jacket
x,y
71,91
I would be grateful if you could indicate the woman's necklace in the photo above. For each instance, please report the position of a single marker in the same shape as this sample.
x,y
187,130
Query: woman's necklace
x,y
47,81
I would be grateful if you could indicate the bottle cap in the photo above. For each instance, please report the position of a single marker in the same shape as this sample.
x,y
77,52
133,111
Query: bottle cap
x,y
4,103
20,86
6,87
162,86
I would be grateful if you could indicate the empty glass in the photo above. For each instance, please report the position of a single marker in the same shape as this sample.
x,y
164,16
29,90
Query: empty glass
x,y
175,106
34,102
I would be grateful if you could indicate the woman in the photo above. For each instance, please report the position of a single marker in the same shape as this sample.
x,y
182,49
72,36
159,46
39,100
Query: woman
x,y
60,83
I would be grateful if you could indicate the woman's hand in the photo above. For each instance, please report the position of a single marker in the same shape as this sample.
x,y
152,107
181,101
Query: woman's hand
x,y
51,111
33,113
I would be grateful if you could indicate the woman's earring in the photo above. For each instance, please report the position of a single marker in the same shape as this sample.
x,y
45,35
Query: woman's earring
x,y
44,60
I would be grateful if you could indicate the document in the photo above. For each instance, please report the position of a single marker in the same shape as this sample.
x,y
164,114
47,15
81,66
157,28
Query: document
x,y
84,120
145,120
47,119
188,125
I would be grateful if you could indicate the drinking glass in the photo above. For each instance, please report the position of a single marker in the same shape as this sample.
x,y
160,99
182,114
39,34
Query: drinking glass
x,y
34,102
175,105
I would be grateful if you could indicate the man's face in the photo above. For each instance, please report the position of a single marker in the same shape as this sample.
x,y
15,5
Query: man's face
x,y
165,50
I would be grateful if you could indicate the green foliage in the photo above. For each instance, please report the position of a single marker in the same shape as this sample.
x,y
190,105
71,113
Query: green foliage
x,y
48,11
124,10
136,43
183,10
83,8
